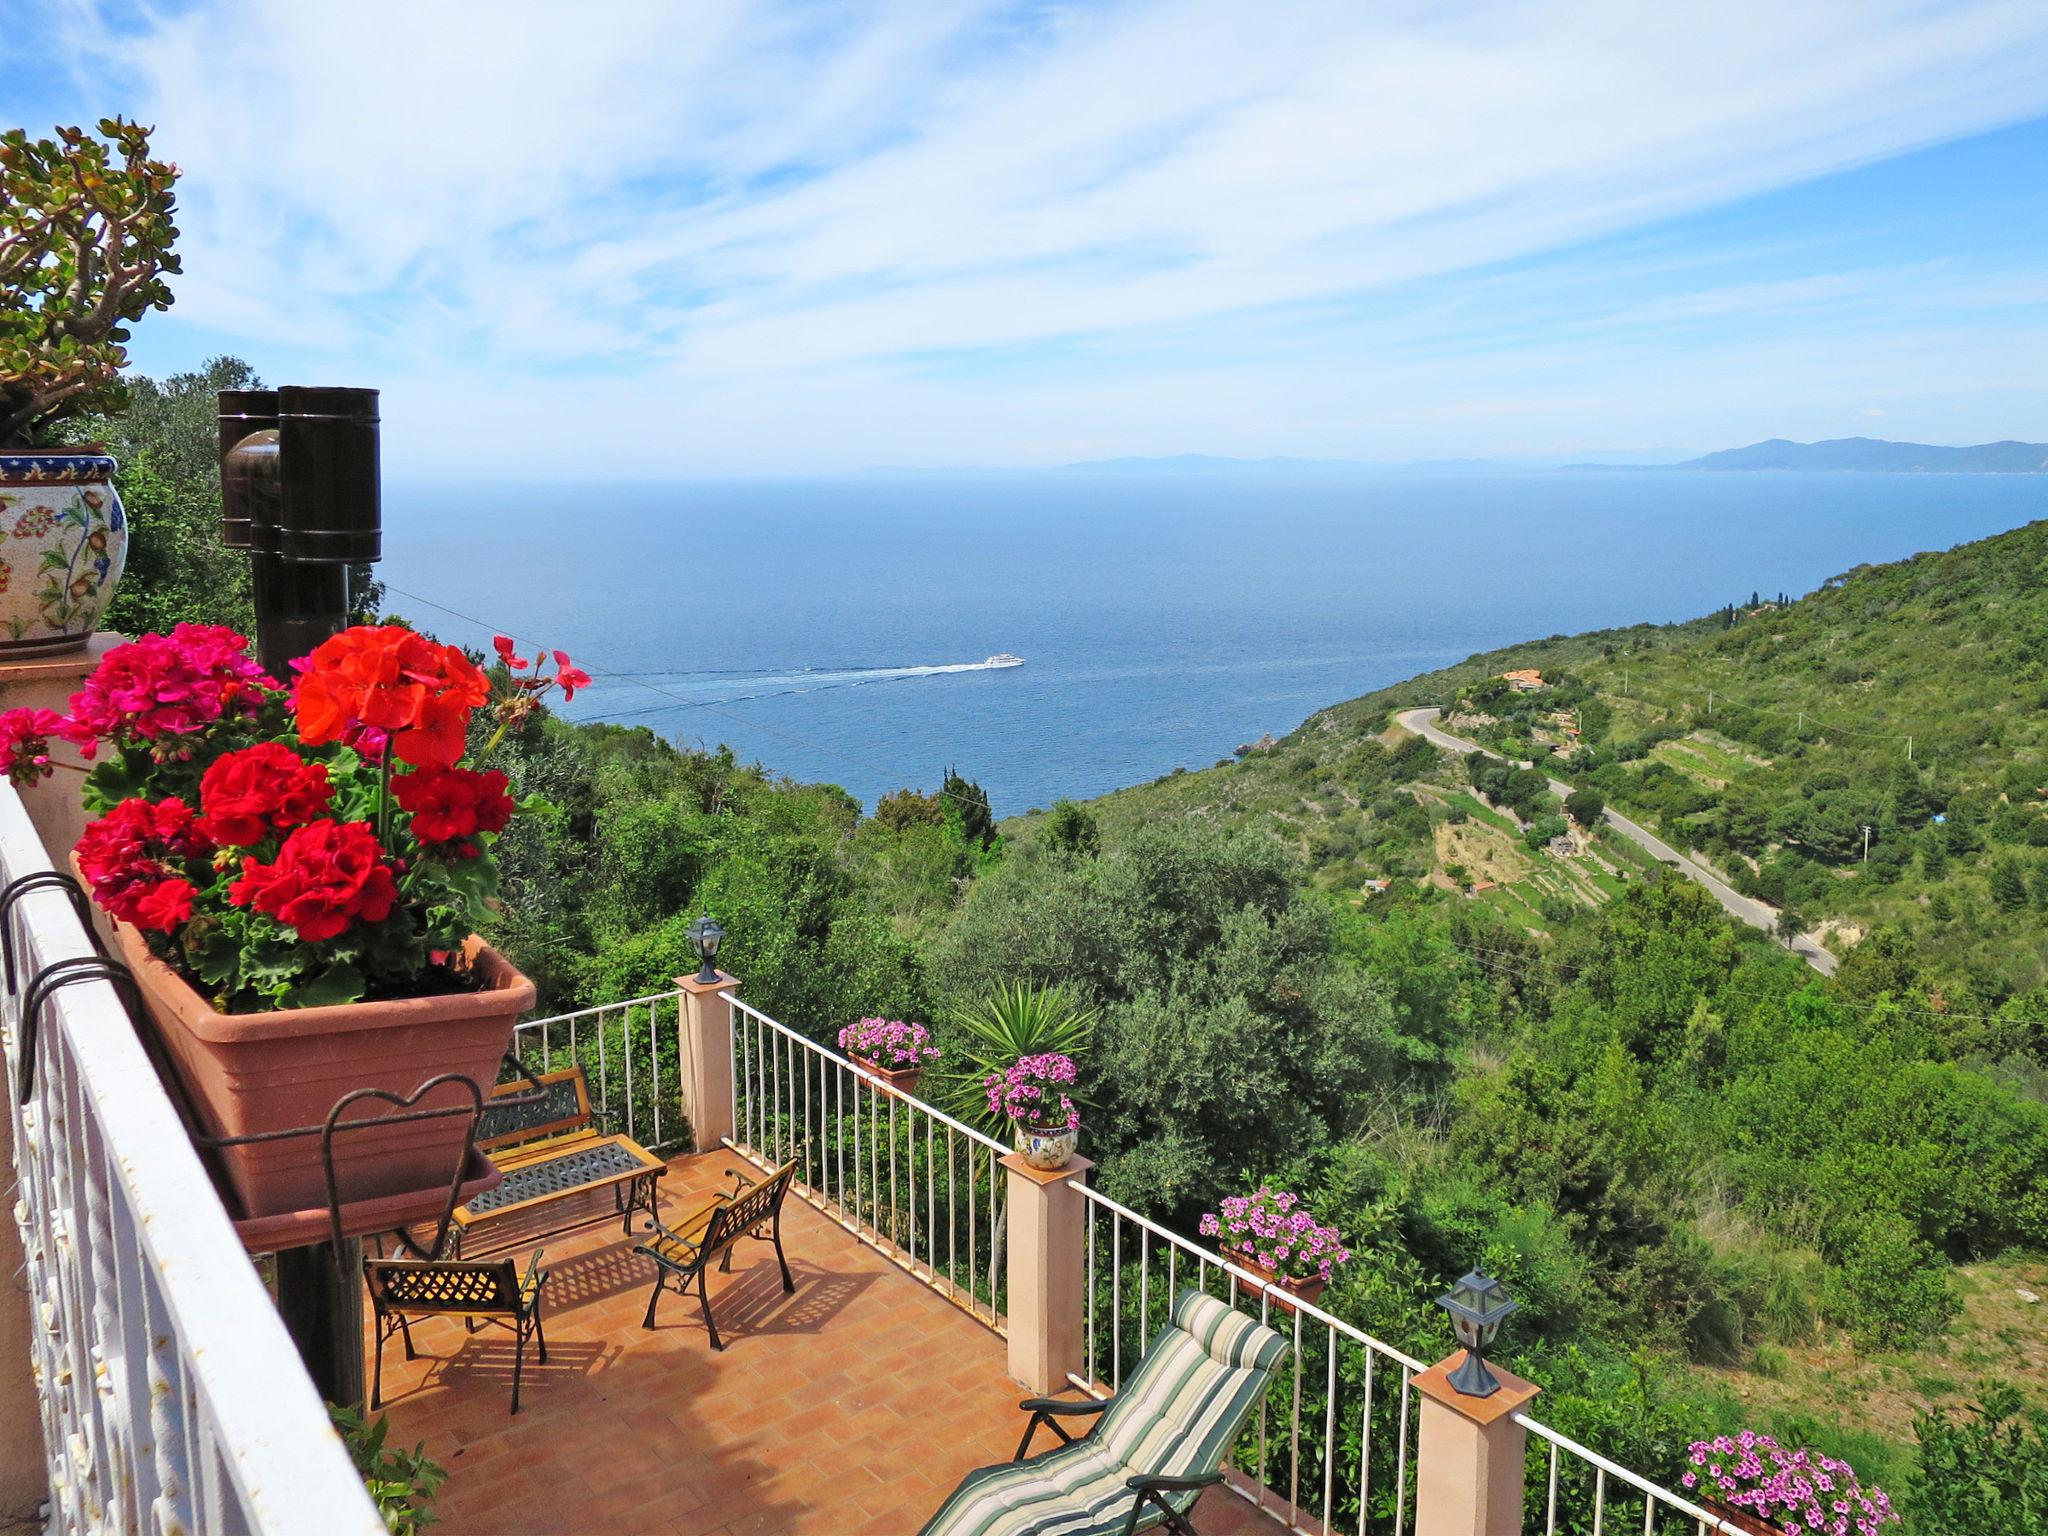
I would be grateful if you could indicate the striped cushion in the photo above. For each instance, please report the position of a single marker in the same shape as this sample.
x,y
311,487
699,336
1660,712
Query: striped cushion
x,y
1177,1416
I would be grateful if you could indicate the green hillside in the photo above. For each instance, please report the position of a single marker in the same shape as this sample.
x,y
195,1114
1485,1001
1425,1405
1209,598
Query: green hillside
x,y
1905,698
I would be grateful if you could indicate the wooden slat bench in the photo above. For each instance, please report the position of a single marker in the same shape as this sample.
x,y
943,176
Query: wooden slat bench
x,y
554,1150
709,1229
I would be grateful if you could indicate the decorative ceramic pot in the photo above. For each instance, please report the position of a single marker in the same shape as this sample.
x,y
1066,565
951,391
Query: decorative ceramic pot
x,y
63,543
1741,1519
1048,1150
1308,1288
898,1080
246,1073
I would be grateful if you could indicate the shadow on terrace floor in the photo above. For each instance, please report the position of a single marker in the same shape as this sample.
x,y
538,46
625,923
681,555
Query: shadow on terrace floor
x,y
849,1408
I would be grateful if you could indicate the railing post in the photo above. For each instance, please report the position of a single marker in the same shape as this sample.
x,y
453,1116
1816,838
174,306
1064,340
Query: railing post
x,y
1047,1231
1470,1455
707,1060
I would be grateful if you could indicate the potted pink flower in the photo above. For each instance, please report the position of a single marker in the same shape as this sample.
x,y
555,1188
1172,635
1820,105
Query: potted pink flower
x,y
1275,1236
892,1050
295,878
1760,1486
1032,1095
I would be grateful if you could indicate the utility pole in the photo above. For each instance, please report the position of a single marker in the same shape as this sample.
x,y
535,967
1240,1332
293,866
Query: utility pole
x,y
1909,749
1866,845
1710,703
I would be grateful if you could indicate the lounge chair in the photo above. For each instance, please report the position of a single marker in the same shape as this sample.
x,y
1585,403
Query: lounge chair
x,y
1152,1450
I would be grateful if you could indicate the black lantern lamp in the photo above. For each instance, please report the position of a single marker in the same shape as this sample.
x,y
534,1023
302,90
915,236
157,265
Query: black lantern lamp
x,y
705,937
1478,1306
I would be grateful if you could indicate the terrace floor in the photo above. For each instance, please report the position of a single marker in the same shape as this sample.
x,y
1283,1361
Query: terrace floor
x,y
849,1408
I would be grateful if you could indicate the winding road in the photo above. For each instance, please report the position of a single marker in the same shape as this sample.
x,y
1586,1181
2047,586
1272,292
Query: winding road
x,y
1757,914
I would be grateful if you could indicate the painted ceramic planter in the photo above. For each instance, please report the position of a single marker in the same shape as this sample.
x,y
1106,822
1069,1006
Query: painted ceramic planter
x,y
246,1073
898,1080
1047,1150
1307,1288
63,544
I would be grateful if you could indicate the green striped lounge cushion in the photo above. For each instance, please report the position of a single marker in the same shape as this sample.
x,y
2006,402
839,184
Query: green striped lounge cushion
x,y
1177,1416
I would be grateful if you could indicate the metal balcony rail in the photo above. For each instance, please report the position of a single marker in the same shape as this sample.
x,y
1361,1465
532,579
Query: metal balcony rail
x,y
631,1055
906,1178
171,1397
1587,1503
1332,1447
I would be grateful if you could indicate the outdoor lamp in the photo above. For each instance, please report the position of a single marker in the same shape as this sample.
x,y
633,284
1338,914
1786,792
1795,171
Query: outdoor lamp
x,y
705,936
1478,1306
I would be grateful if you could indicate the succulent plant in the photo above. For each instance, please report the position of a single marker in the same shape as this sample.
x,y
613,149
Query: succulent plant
x,y
85,244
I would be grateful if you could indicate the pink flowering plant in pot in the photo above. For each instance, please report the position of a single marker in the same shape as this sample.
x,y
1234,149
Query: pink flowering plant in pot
x,y
1273,1233
1032,1094
1767,1488
894,1050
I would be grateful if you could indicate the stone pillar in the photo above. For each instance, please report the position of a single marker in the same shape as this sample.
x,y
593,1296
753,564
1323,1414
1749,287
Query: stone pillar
x,y
707,1059
1470,1455
41,682
1047,1231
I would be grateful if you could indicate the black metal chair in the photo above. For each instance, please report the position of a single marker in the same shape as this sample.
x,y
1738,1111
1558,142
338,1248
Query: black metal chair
x,y
709,1231
477,1293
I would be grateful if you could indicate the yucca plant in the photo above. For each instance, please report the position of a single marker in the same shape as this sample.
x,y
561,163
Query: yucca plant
x,y
1015,1021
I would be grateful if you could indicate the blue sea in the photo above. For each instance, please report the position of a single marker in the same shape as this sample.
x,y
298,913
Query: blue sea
x,y
826,628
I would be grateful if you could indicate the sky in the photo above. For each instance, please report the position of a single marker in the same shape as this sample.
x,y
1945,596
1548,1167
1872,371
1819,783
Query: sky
x,y
631,239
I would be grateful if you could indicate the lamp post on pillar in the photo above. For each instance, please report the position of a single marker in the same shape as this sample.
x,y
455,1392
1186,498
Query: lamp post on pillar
x,y
1470,1452
706,1027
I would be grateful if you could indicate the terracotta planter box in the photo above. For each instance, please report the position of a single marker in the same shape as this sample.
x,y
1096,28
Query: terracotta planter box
x,y
899,1080
1309,1290
1741,1519
253,1072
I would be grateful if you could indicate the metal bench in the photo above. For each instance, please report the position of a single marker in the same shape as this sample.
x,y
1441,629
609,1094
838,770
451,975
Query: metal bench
x,y
401,1289
550,1147
709,1230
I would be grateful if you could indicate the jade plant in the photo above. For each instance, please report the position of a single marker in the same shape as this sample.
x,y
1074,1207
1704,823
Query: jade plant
x,y
85,245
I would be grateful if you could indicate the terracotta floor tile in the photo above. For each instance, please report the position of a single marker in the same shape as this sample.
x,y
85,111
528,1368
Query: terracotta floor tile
x,y
849,1407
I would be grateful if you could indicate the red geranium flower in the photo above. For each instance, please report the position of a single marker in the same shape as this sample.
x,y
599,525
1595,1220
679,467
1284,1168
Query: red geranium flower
x,y
391,679
171,685
508,654
25,736
324,877
450,805
569,675
248,795
135,858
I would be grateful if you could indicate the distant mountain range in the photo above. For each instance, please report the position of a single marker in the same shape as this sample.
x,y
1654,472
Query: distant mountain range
x,y
1870,453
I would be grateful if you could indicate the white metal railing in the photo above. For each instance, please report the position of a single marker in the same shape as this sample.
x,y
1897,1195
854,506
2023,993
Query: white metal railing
x,y
1298,1459
172,1399
631,1054
905,1177
1587,1508
1333,1447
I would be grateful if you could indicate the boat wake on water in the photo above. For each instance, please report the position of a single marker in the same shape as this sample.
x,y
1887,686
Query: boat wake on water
x,y
703,688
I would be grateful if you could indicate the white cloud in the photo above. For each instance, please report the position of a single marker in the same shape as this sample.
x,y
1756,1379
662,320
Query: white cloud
x,y
833,231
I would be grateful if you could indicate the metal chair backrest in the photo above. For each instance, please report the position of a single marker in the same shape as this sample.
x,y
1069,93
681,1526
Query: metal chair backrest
x,y
749,1210
514,1113
443,1285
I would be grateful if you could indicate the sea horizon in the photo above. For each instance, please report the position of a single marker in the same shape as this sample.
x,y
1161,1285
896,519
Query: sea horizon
x,y
833,627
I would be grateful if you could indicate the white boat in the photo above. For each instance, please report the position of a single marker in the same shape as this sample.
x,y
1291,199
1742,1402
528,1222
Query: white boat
x,y
1004,659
